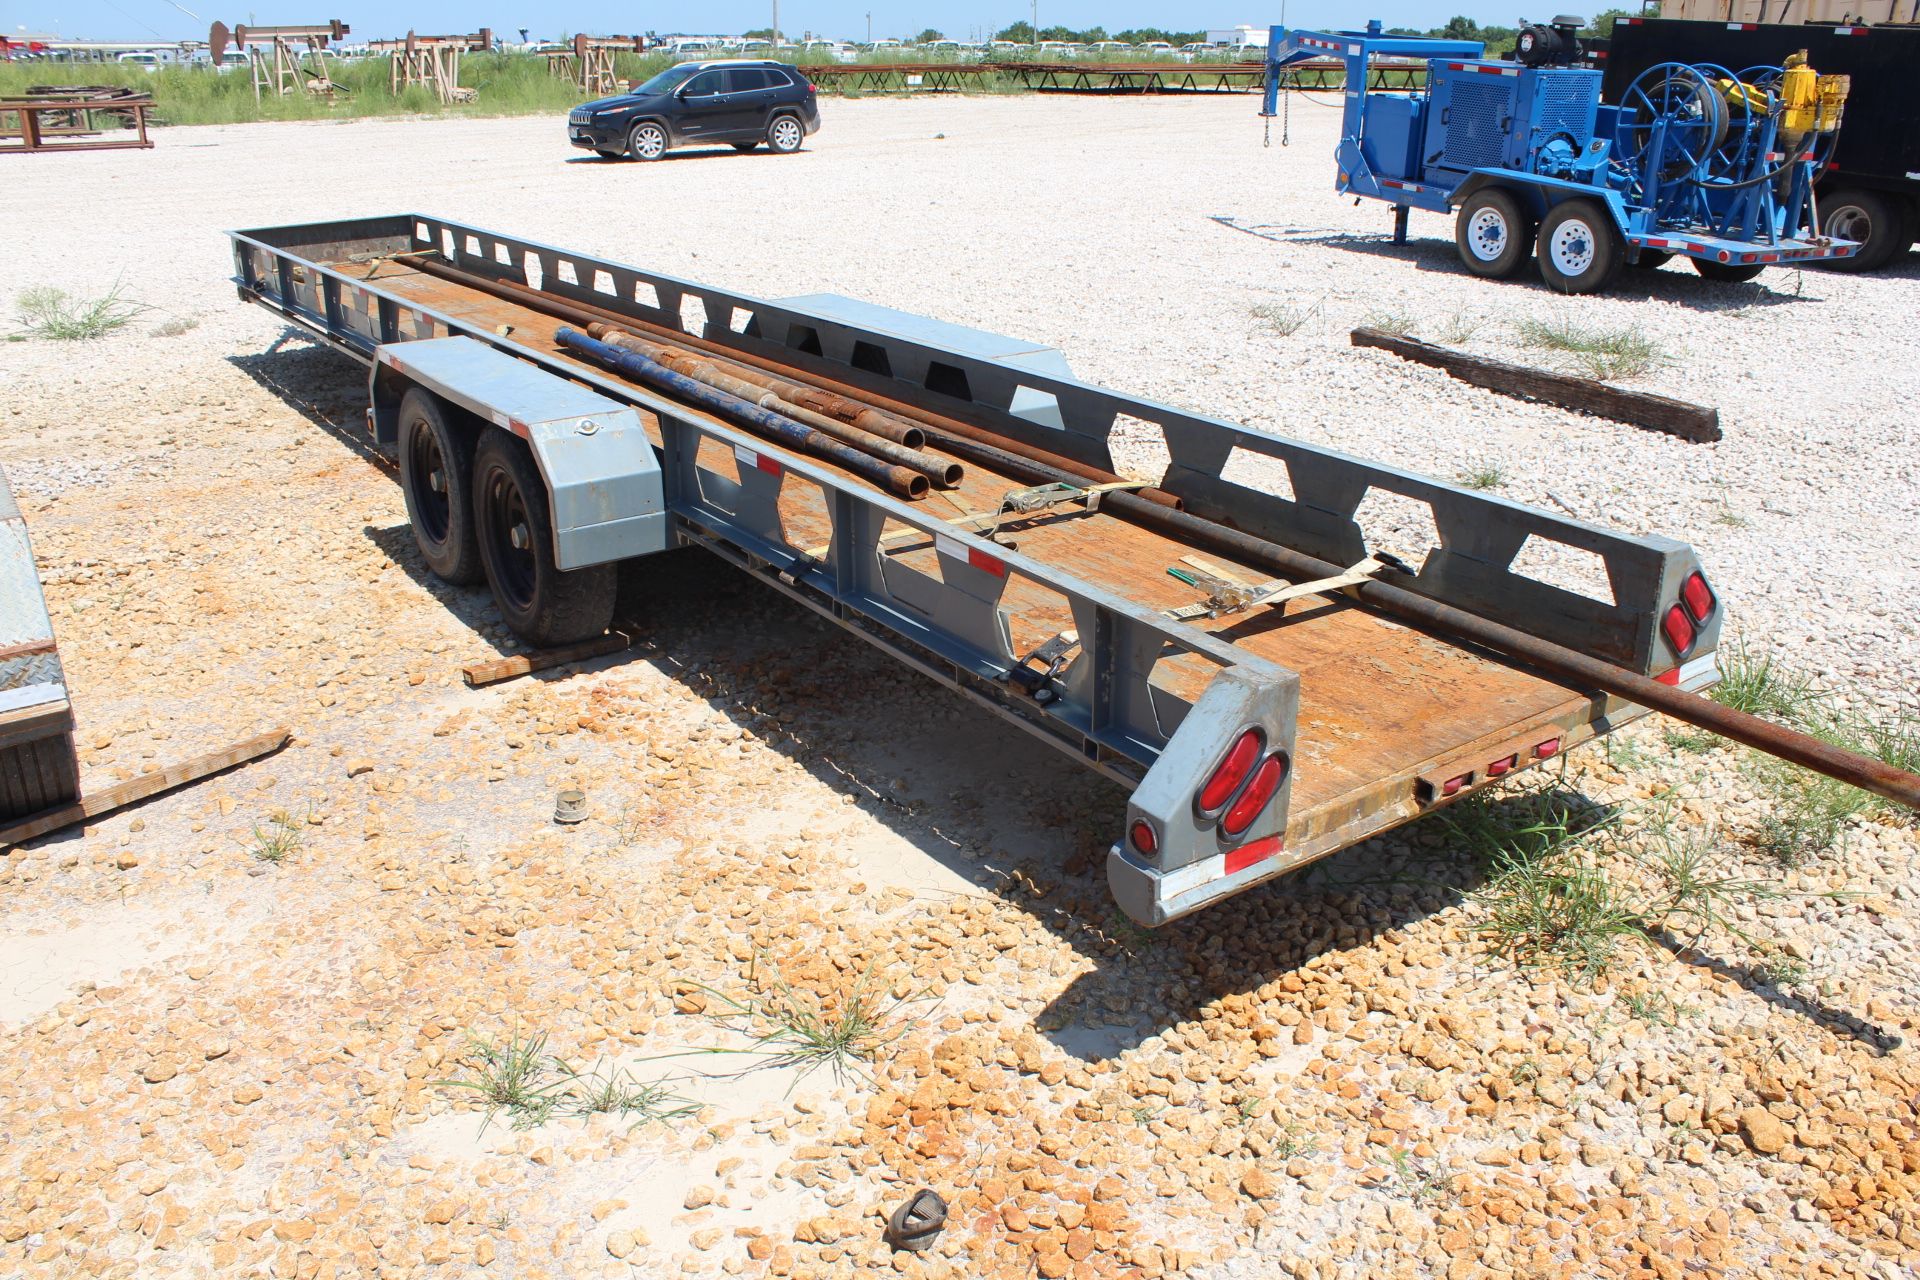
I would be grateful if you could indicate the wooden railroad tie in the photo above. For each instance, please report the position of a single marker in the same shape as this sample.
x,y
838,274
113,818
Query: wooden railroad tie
x,y
125,793
494,670
1638,408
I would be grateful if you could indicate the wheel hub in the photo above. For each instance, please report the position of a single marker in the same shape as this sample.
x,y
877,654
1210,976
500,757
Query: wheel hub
x,y
1487,234
1573,243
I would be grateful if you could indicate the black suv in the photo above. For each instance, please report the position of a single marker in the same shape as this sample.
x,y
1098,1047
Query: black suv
x,y
744,103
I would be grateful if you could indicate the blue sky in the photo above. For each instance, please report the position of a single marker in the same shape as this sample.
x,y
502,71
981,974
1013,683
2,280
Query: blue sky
x,y
845,19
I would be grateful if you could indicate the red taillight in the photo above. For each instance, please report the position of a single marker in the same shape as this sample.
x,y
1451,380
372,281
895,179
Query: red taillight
x,y
1141,833
1231,772
1266,781
1551,747
1698,597
1502,767
809,84
1679,630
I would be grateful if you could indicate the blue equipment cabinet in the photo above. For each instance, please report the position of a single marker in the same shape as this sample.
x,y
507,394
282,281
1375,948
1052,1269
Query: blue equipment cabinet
x,y
1695,162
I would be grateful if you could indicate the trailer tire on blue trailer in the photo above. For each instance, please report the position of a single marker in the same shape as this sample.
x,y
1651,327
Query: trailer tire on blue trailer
x,y
1580,247
1494,233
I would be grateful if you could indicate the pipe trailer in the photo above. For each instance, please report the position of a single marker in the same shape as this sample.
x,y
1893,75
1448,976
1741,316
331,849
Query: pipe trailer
x,y
1697,162
1258,727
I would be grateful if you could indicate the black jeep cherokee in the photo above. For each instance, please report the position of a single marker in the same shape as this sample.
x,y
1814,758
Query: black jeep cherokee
x,y
744,103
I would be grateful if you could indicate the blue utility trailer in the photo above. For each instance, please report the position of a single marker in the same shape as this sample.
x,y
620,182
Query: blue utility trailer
x,y
1256,729
1695,161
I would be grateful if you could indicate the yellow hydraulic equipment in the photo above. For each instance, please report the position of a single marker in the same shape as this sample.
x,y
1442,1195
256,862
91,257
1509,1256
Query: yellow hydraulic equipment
x,y
1808,101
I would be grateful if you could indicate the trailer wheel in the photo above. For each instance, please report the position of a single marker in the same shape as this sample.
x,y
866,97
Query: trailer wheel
x,y
1492,233
1651,259
1580,249
543,604
436,477
647,141
1727,272
784,135
1869,218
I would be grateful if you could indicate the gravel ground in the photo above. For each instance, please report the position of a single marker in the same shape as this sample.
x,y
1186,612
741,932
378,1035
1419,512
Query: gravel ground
x,y
213,1064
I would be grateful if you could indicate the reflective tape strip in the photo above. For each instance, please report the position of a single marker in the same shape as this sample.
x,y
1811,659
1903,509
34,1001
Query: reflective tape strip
x,y
959,550
758,461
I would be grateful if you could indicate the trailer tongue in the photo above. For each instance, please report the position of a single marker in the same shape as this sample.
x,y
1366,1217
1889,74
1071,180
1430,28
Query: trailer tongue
x,y
1258,725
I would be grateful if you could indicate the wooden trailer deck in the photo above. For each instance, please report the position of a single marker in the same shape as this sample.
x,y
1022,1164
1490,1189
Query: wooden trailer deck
x,y
1382,705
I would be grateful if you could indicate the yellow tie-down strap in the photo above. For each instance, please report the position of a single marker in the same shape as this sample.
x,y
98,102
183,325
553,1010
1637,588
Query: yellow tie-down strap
x,y
1227,594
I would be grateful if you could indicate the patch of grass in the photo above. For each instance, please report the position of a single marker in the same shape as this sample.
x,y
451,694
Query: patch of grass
x,y
1418,1180
1397,323
1656,1008
1460,327
54,313
1780,969
1600,353
175,327
1483,476
1690,740
1568,886
518,1077
1755,683
606,1090
1524,1071
1286,319
515,1077
1295,1141
1145,1113
790,1027
279,840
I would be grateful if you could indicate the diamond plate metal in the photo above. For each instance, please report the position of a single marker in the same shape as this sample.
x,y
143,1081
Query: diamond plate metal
x,y
23,610
36,668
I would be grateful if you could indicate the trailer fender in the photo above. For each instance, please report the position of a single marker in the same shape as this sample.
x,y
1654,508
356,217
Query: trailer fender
x,y
1193,860
1540,193
603,477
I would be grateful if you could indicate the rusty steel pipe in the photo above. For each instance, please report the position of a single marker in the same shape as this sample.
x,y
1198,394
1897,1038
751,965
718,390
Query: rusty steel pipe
x,y
852,412
631,364
1805,750
939,471
821,373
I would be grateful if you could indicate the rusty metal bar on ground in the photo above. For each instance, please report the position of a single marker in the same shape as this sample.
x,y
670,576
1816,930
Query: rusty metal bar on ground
x,y
798,365
895,479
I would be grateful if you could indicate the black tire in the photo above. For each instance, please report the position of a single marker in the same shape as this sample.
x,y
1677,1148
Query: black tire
x,y
1651,259
1580,249
746,146
436,477
1872,218
1493,234
543,604
785,133
648,140
37,776
1727,272
608,154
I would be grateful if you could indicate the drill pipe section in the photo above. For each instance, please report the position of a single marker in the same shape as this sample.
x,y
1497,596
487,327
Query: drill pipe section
x,y
876,421
894,479
940,471
1805,750
819,372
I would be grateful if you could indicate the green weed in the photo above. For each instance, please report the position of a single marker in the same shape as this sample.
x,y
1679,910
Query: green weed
x,y
1483,476
1605,354
790,1027
279,840
1286,319
1397,323
57,314
520,1078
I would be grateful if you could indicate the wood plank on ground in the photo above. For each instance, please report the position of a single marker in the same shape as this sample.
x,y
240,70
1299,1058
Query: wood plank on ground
x,y
125,793
1639,408
494,670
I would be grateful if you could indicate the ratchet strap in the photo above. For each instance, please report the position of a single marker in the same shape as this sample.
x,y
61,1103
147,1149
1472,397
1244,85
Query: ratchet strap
x,y
1227,594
